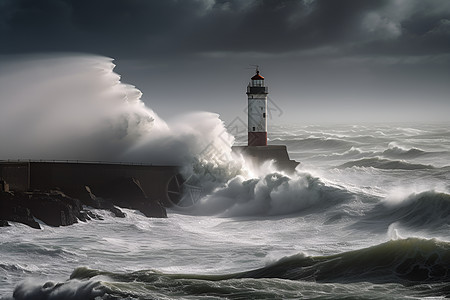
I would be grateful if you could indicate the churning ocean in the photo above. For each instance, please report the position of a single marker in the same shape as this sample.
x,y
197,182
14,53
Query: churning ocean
x,y
365,216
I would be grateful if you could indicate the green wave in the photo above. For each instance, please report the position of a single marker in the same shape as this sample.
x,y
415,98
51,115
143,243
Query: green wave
x,y
406,261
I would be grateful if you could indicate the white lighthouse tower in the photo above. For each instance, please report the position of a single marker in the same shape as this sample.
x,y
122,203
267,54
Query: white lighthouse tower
x,y
257,110
257,150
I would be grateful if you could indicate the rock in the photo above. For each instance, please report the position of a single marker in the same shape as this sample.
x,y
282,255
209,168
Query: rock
x,y
13,209
117,212
4,223
94,215
83,217
53,208
128,193
88,198
153,209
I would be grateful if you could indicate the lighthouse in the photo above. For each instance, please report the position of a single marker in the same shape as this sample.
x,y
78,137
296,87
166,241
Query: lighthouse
x,y
257,111
257,150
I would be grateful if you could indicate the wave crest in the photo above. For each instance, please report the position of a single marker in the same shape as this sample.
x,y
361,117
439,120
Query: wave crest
x,y
429,210
386,164
406,261
395,151
271,194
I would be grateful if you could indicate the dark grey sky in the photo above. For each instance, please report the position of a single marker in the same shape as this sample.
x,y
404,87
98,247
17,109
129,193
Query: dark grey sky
x,y
324,60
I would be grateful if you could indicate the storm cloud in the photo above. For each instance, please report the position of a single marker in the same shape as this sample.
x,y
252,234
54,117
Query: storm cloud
x,y
136,28
359,59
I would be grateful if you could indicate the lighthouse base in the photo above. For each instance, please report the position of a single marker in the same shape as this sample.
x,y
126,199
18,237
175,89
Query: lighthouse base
x,y
260,154
257,138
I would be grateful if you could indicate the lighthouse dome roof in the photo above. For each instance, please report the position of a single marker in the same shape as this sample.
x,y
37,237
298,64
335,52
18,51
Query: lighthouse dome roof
x,y
257,76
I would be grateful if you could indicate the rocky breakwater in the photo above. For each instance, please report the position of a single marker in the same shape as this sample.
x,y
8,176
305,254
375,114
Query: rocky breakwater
x,y
53,208
63,208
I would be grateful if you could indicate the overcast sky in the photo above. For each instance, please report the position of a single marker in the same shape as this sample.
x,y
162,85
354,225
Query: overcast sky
x,y
323,60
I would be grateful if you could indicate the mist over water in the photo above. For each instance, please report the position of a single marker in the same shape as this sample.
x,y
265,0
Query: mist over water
x,y
365,215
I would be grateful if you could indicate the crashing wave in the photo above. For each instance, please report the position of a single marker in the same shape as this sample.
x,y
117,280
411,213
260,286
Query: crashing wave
x,y
270,194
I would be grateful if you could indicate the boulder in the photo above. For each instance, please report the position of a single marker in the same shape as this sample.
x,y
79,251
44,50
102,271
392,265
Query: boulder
x,y
14,210
83,217
53,208
88,198
153,209
93,216
4,223
117,212
128,193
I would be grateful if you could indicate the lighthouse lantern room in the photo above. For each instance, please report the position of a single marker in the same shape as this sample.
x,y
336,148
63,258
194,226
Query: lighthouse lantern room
x,y
257,110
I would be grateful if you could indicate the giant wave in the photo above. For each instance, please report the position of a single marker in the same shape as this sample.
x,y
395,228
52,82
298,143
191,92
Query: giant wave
x,y
411,261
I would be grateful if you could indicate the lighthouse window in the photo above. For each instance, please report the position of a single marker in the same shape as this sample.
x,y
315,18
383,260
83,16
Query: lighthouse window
x,y
253,128
264,115
257,82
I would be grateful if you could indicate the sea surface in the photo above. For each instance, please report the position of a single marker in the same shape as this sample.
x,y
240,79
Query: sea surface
x,y
365,216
